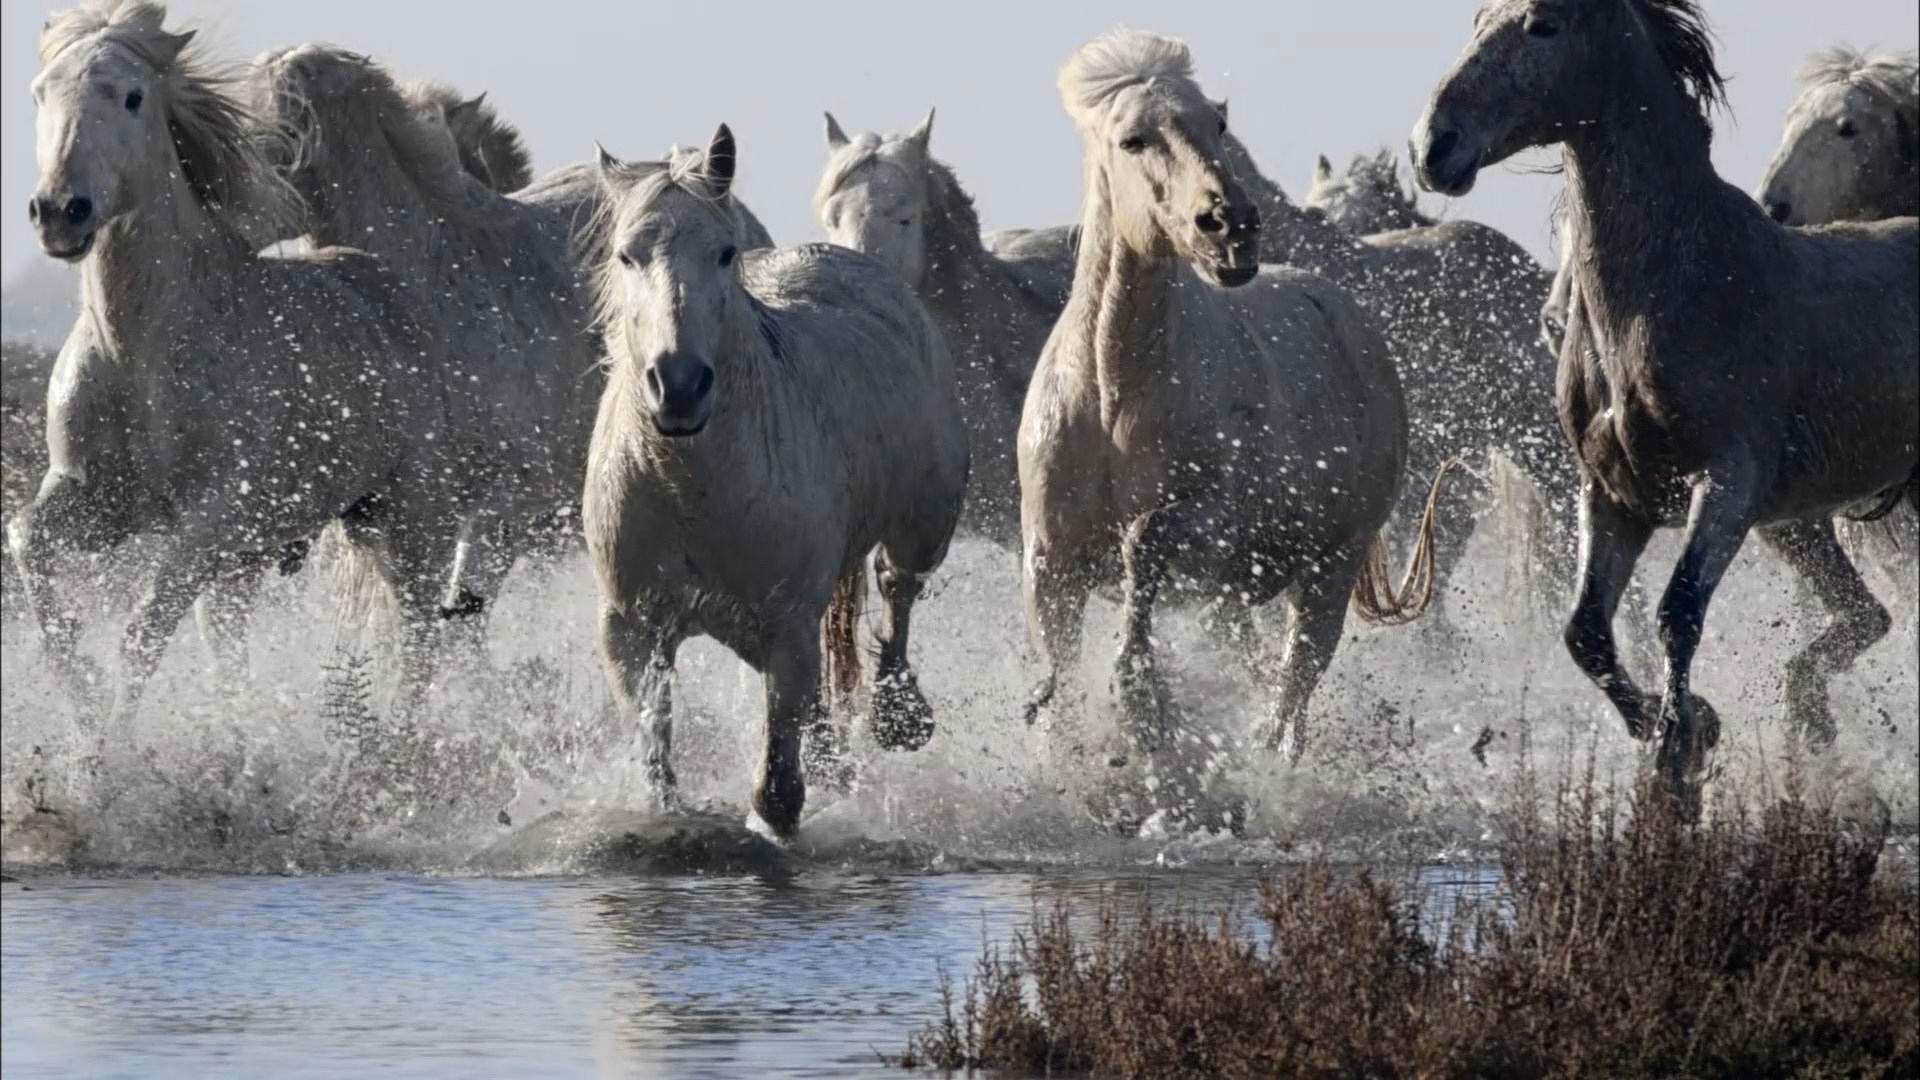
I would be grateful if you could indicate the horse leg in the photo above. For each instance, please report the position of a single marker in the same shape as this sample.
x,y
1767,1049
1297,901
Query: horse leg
x,y
638,651
481,561
1611,541
186,567
417,557
221,614
1229,621
1717,523
1186,530
1316,618
902,719
1857,620
792,677
1055,590
62,516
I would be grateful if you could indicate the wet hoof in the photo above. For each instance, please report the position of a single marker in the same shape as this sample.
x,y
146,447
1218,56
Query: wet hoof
x,y
778,799
902,719
1038,699
1144,702
465,606
1687,735
1644,722
293,556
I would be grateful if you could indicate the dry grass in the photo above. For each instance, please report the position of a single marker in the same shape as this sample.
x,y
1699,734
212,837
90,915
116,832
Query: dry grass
x,y
1622,944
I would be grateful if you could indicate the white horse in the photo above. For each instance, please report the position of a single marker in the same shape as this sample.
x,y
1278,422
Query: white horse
x,y
234,402
770,419
1197,414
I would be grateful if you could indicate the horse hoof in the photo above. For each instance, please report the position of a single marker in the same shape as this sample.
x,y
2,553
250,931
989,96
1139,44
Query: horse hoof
x,y
1646,721
1706,722
902,719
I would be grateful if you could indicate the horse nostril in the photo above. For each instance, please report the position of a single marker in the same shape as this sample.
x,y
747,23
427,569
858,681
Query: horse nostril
x,y
79,210
33,210
653,385
1442,145
706,383
1780,211
1210,221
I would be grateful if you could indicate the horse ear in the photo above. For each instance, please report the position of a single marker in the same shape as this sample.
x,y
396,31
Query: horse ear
x,y
1221,107
605,164
923,134
836,138
467,107
1322,168
168,47
720,161
1384,157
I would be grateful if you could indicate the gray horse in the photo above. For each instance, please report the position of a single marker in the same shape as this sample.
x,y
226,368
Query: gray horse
x,y
770,419
1851,148
509,311
232,402
1741,375
891,199
1368,198
1459,303
1195,414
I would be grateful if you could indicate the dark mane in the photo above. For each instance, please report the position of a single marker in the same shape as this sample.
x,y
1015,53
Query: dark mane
x,y
1680,33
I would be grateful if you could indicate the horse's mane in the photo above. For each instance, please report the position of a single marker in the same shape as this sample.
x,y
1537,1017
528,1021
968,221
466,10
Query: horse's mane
x,y
323,92
490,147
220,147
1114,61
1685,43
1892,79
958,221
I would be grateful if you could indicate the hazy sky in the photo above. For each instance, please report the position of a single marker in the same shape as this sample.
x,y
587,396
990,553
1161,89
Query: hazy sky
x,y
640,75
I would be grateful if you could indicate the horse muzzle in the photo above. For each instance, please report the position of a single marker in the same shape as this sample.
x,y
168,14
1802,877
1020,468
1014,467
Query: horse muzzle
x,y
66,225
679,391
1444,159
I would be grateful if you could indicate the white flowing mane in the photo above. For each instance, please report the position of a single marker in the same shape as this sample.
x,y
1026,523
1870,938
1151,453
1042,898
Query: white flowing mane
x,y
1113,62
219,143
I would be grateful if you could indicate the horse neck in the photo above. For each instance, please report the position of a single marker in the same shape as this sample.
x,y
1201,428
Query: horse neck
x,y
1119,308
1289,232
149,272
385,210
957,260
1643,199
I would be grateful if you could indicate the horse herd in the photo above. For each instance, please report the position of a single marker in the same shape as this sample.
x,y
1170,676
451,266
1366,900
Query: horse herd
x,y
1201,387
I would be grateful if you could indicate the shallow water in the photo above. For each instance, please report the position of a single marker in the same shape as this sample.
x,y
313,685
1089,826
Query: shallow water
x,y
816,973
408,915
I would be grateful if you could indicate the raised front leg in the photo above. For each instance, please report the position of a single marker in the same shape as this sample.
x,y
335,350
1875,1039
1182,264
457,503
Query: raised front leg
x,y
223,611
792,675
1717,523
1611,542
1055,588
1856,620
62,518
638,651
902,719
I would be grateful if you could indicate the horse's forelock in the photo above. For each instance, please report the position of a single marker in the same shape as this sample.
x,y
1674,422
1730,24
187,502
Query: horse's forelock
x,y
1114,61
859,152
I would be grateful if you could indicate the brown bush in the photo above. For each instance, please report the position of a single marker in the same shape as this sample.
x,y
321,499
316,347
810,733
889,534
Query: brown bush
x,y
1629,943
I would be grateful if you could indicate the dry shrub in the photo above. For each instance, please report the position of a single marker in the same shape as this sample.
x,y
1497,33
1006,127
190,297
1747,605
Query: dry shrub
x,y
1622,943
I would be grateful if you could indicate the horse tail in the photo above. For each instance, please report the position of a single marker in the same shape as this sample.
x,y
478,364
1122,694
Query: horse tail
x,y
1527,534
1374,596
839,635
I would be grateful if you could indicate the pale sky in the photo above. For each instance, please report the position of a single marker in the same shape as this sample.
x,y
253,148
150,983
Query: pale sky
x,y
1336,77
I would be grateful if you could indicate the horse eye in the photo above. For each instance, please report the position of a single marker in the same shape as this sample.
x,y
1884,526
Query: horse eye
x,y
1541,28
134,98
626,260
1846,129
726,256
1133,144
906,222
